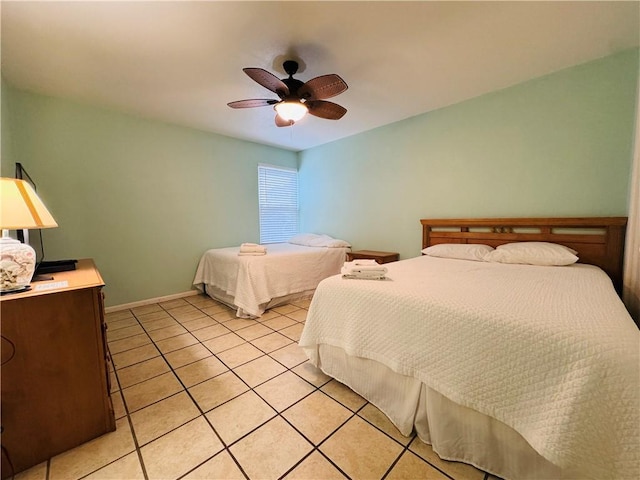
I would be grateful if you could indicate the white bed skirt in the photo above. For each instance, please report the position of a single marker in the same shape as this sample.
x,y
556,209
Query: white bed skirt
x,y
223,297
455,432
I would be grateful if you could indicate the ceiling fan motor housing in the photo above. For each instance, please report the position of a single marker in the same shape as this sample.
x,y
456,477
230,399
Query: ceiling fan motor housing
x,y
290,66
293,86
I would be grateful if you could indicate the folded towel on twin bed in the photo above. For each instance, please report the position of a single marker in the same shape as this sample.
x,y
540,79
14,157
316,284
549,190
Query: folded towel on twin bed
x,y
252,249
364,269
359,276
363,261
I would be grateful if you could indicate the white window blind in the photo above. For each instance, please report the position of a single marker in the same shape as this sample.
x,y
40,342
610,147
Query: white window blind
x,y
278,203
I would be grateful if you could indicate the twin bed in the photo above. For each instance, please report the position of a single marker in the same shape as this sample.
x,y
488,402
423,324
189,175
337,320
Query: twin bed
x,y
251,284
525,371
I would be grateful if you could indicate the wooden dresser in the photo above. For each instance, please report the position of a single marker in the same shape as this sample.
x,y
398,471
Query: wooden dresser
x,y
55,375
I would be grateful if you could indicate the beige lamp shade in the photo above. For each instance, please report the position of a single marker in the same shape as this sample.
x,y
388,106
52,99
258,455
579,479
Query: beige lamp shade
x,y
20,207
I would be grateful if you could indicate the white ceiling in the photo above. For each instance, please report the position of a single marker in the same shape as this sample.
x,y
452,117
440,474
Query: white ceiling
x,y
181,62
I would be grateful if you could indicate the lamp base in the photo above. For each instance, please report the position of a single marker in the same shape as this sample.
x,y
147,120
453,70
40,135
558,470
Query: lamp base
x,y
19,290
17,264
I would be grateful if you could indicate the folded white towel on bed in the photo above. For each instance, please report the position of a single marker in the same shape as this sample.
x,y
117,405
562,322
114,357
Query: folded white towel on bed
x,y
252,248
369,271
364,261
353,267
365,276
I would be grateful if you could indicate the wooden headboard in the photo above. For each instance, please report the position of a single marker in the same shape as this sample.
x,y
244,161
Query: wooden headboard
x,y
598,240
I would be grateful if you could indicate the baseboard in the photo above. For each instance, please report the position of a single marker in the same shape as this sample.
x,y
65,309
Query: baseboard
x,y
166,298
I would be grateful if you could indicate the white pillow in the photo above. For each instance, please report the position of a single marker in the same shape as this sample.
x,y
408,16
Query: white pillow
x,y
336,243
533,253
303,239
327,241
315,240
461,251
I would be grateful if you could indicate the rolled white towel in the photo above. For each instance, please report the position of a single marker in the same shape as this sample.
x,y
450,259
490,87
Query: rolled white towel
x,y
253,248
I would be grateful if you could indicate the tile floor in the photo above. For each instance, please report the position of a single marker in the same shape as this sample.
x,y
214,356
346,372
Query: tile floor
x,y
201,394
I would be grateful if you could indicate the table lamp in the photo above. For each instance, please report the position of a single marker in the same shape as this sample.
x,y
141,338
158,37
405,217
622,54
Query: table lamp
x,y
20,208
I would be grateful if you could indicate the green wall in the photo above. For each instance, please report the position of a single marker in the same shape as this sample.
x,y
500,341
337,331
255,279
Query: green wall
x,y
143,198
146,199
6,154
559,145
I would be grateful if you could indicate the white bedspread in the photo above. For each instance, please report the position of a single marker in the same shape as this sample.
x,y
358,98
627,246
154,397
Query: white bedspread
x,y
549,351
256,280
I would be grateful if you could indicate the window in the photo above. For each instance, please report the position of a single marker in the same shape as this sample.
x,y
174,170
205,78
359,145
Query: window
x,y
278,203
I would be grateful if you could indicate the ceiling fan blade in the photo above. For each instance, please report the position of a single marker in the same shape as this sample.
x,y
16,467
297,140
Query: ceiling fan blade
x,y
255,102
268,80
324,109
325,86
281,122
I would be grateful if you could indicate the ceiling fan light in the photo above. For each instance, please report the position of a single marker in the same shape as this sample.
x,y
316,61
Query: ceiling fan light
x,y
291,110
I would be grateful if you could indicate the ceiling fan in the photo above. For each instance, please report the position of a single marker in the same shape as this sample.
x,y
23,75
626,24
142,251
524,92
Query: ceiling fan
x,y
296,98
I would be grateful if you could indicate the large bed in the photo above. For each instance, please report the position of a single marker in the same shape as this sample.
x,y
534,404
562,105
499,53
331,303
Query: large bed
x,y
251,284
525,371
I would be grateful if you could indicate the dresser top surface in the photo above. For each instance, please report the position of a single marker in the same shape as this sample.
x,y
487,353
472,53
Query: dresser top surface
x,y
85,275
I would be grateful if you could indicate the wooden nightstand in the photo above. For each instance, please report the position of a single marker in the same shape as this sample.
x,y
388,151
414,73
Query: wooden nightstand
x,y
380,257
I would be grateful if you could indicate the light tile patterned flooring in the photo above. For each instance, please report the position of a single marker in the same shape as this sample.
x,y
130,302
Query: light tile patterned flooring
x,y
201,394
